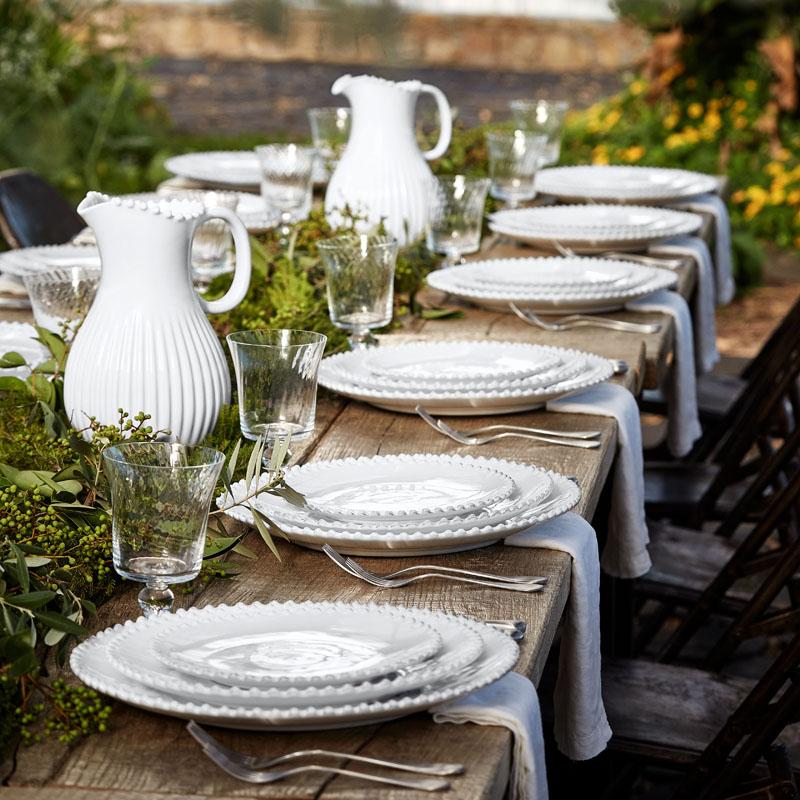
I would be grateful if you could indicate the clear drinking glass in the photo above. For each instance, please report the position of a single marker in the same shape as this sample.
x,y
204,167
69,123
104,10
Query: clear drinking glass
x,y
276,378
330,129
161,494
543,117
287,181
455,216
514,157
212,241
359,272
61,297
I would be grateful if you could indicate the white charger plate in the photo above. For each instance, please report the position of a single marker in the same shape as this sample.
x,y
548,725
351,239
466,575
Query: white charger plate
x,y
289,644
590,227
90,662
130,651
458,362
623,183
28,259
441,536
239,168
411,487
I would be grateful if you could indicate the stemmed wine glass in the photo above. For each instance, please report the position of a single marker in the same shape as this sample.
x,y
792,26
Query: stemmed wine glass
x,y
287,182
542,117
455,216
514,157
330,129
161,494
359,272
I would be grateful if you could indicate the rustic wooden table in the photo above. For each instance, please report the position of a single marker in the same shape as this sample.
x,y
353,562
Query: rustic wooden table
x,y
145,756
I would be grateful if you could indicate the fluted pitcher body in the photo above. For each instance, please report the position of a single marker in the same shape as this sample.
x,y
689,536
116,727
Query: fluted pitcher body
x,y
146,343
382,174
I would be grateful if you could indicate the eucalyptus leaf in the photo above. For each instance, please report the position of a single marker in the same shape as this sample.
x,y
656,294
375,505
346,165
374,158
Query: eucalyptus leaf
x,y
59,622
11,359
31,600
53,342
36,561
8,383
230,470
53,637
262,526
23,576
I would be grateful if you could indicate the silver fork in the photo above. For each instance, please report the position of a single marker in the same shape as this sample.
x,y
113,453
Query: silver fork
x,y
349,563
236,770
584,321
208,742
649,261
516,629
446,430
358,571
434,423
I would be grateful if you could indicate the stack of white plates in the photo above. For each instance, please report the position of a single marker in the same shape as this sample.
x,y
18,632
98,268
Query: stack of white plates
x,y
51,256
593,227
462,378
294,666
552,285
402,505
623,184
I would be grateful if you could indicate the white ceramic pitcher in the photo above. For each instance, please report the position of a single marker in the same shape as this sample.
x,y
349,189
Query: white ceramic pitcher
x,y
382,173
146,344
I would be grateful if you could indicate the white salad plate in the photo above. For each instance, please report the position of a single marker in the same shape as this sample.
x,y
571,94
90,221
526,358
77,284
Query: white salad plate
x,y
235,168
623,184
591,227
544,300
251,209
346,374
411,487
90,662
20,337
568,274
32,259
458,362
403,538
288,644
130,649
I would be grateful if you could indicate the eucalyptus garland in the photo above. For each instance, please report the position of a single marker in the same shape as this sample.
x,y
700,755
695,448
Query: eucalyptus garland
x,y
55,525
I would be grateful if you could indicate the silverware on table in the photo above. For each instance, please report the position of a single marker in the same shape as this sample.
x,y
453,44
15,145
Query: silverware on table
x,y
209,743
446,430
516,629
434,423
357,571
649,261
620,366
572,321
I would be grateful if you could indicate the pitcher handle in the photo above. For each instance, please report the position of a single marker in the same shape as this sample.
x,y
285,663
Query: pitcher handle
x,y
445,122
241,249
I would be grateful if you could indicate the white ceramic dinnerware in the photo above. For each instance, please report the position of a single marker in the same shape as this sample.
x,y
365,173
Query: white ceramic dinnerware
x,y
230,168
47,257
593,227
623,184
400,487
121,663
20,337
131,652
349,374
538,495
289,645
552,285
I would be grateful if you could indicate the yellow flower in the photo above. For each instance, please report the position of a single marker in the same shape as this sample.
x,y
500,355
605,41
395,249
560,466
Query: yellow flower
x,y
777,197
793,197
695,110
612,118
797,241
692,135
671,120
714,104
713,121
637,87
739,196
750,85
740,105
752,210
783,154
674,140
633,153
739,123
757,194
773,168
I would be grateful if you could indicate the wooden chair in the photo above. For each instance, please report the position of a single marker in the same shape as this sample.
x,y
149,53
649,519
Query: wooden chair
x,y
690,494
32,212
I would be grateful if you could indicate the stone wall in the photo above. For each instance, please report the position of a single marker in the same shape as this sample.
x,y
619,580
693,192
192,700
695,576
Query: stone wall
x,y
502,43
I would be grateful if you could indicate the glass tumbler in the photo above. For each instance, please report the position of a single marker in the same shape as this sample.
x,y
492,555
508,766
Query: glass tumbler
x,y
330,129
287,181
455,216
61,297
212,241
359,273
543,117
161,494
276,378
514,157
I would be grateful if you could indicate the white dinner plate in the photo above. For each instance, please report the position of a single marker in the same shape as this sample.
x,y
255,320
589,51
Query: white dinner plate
x,y
239,168
309,644
393,487
458,362
439,536
32,259
561,273
90,662
130,650
623,184
593,227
